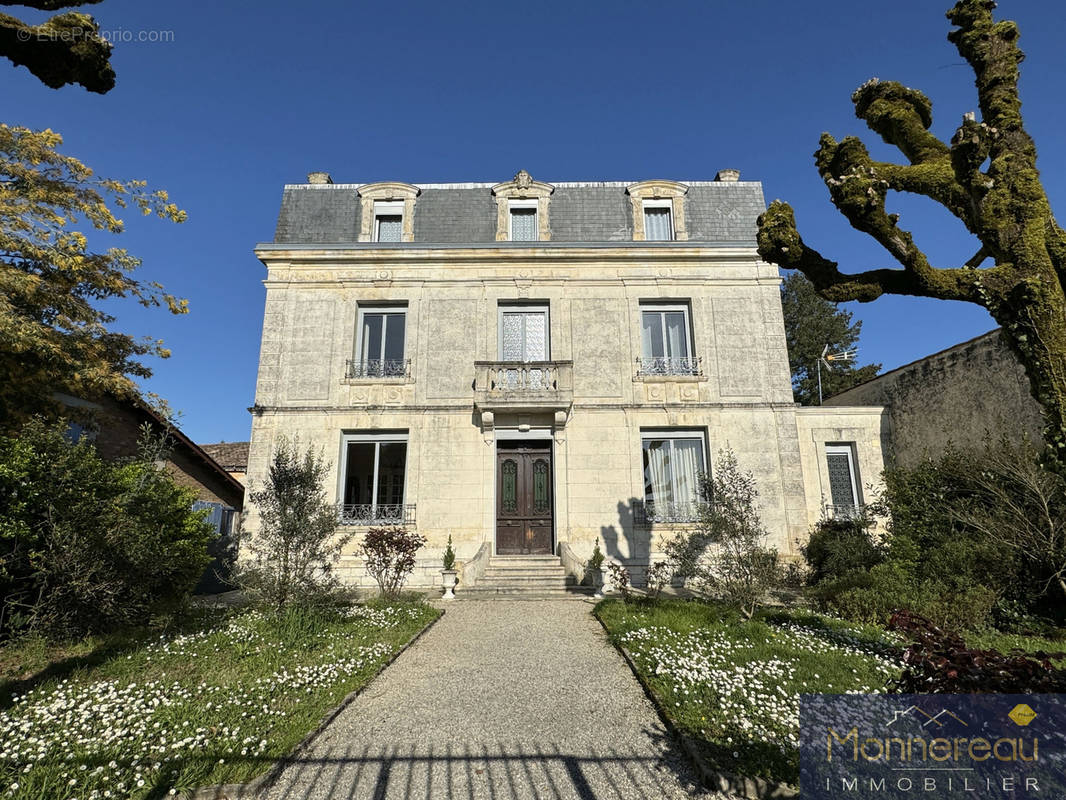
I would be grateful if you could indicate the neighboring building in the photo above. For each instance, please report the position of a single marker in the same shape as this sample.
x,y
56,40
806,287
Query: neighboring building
x,y
956,396
116,426
530,367
231,456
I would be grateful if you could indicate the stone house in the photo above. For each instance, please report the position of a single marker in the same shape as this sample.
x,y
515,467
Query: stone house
x,y
955,396
231,456
530,367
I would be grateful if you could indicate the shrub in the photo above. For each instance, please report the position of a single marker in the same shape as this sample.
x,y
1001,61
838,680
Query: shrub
x,y
449,556
840,546
88,545
939,661
390,557
657,577
726,552
293,552
619,579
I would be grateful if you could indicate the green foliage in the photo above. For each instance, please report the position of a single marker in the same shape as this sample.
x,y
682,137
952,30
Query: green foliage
x,y
725,553
86,544
595,561
812,322
390,557
293,552
54,337
839,546
976,537
449,555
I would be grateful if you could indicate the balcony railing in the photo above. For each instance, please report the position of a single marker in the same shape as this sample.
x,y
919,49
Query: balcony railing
x,y
649,512
844,511
376,514
516,385
397,369
668,365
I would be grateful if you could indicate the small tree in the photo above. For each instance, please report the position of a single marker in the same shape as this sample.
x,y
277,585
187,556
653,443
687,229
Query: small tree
x,y
297,542
725,552
390,557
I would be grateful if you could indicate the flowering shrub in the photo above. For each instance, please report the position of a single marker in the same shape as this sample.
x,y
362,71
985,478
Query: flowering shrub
x,y
940,661
211,706
390,557
657,577
620,580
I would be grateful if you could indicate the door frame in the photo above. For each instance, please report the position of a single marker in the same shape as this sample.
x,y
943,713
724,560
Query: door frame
x,y
531,435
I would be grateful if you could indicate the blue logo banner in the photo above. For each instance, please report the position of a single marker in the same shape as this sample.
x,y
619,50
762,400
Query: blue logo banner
x,y
889,747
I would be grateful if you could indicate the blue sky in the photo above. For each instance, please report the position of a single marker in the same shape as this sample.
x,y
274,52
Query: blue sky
x,y
241,101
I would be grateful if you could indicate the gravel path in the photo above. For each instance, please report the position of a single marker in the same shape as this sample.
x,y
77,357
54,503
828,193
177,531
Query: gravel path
x,y
500,700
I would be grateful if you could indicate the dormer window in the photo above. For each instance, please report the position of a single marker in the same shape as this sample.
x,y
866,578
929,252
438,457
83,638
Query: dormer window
x,y
388,221
658,220
658,211
523,220
387,212
522,209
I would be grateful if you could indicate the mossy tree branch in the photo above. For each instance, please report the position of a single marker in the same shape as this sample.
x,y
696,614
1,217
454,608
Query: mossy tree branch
x,y
986,177
64,49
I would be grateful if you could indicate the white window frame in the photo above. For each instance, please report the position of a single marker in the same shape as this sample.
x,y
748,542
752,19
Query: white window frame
x,y
387,208
512,205
661,309
670,434
360,344
848,449
378,439
534,307
666,203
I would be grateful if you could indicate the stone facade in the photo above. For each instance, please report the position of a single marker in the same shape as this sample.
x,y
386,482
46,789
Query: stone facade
x,y
590,396
955,396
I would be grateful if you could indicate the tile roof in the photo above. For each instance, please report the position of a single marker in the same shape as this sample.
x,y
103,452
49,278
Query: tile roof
x,y
231,456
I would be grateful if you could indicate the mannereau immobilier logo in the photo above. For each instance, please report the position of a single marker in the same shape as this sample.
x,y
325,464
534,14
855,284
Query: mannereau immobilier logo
x,y
943,746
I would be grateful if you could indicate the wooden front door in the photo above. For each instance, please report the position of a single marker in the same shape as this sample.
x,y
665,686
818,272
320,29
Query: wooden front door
x,y
523,501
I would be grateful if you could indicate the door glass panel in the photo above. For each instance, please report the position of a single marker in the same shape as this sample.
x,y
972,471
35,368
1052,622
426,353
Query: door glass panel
x,y
513,337
372,330
536,336
391,462
359,477
541,501
509,489
394,330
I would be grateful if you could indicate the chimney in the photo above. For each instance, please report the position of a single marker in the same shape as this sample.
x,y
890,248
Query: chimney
x,y
319,177
728,175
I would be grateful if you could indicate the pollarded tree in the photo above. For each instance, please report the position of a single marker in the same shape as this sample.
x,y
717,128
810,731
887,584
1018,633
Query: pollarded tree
x,y
987,177
811,323
66,48
53,335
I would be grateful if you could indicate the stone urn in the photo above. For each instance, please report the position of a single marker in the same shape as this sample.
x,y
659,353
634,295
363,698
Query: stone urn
x,y
449,577
596,577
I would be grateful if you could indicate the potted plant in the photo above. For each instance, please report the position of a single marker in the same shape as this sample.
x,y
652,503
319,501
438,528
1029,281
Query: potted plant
x,y
449,574
594,569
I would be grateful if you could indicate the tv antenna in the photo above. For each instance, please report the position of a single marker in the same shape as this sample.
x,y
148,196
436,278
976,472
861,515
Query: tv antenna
x,y
829,359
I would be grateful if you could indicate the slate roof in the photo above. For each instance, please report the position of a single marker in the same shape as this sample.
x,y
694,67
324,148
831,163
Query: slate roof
x,y
231,456
465,213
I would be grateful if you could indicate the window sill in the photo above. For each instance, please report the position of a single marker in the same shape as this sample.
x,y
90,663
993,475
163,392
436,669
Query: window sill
x,y
641,377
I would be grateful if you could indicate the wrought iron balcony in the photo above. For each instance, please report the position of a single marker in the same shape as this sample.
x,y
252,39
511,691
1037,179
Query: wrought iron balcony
x,y
376,514
668,365
844,511
522,385
649,512
392,369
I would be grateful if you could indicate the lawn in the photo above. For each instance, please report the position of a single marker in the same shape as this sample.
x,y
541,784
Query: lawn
x,y
733,686
216,701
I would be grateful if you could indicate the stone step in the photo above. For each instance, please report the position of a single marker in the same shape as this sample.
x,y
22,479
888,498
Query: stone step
x,y
482,592
526,580
503,572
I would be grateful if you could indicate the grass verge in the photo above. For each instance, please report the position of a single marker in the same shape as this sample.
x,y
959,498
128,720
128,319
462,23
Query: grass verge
x,y
216,702
732,685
